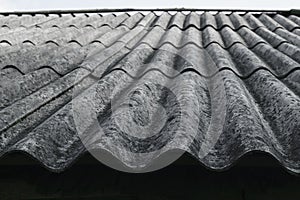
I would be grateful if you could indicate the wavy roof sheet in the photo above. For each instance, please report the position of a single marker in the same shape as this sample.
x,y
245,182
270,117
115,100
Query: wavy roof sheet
x,y
48,62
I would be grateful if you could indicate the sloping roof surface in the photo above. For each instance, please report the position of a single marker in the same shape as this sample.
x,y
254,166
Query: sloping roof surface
x,y
252,80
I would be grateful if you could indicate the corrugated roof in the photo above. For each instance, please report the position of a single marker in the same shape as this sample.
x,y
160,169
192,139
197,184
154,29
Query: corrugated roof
x,y
251,79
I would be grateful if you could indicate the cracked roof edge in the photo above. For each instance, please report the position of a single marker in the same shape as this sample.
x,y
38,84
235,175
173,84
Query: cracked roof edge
x,y
106,10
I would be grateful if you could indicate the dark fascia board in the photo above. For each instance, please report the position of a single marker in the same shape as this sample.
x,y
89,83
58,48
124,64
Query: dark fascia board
x,y
295,12
106,10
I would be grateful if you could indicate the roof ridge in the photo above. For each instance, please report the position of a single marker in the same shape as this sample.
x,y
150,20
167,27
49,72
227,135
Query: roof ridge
x,y
105,10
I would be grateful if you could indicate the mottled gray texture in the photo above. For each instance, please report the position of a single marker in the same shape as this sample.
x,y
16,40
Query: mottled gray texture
x,y
245,67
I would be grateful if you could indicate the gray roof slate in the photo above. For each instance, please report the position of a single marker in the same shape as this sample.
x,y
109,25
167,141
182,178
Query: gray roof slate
x,y
44,59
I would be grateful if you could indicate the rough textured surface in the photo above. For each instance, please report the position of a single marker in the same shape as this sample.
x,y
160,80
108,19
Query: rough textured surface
x,y
233,85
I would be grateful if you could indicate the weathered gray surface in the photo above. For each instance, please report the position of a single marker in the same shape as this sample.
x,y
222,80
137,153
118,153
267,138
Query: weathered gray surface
x,y
257,73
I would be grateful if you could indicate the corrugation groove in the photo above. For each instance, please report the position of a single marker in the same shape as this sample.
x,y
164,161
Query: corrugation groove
x,y
256,60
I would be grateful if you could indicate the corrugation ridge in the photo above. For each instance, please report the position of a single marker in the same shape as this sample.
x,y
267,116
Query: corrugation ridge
x,y
162,20
86,64
295,28
269,22
223,69
289,36
63,71
31,83
13,67
272,95
209,25
110,43
234,43
179,19
5,26
147,20
54,41
272,133
80,35
230,37
92,20
75,41
62,23
286,86
32,63
49,18
135,62
49,109
18,37
116,21
207,18
84,39
281,76
30,21
275,40
113,27
51,68
287,23
51,42
172,35
51,22
200,47
72,40
48,60
189,69
28,41
253,21
132,44
205,46
193,19
57,110
132,21
5,42
253,57
182,46
63,93
61,166
223,20
245,76
280,43
89,25
217,28
295,19
239,21
50,32
73,26
78,21
8,121
282,58
248,58
229,42
36,24
183,29
120,25
204,27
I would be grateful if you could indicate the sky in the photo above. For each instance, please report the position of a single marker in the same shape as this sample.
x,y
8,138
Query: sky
x,y
18,5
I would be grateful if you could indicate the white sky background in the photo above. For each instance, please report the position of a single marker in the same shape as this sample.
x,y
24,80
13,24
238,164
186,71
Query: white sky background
x,y
17,5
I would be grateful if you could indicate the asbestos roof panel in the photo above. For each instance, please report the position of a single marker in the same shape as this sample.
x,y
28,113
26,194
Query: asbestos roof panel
x,y
229,85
